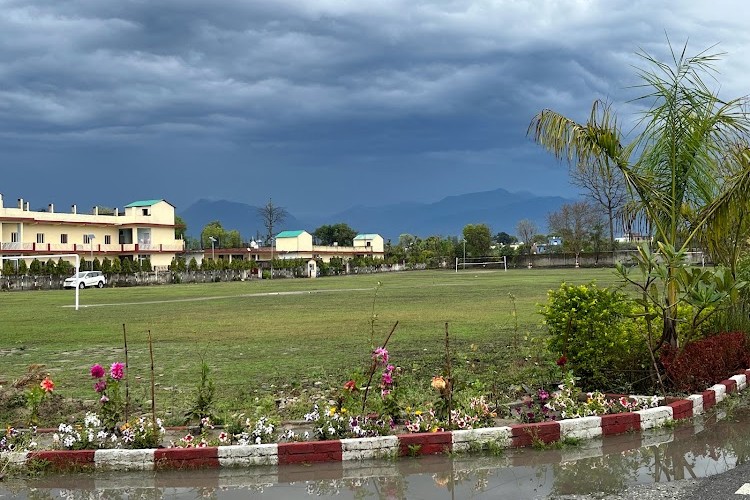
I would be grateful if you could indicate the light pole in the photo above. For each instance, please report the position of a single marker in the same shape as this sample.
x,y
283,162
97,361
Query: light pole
x,y
91,244
272,245
213,257
464,253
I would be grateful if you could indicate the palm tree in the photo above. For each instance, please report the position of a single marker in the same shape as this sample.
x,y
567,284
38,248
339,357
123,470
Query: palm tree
x,y
672,167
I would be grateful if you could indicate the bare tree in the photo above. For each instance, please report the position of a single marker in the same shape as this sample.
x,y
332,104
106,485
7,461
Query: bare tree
x,y
526,230
575,223
272,216
605,186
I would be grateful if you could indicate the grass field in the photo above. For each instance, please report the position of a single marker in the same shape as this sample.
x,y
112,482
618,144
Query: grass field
x,y
266,337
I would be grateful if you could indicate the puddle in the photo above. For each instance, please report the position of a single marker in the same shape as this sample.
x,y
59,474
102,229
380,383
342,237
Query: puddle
x,y
698,449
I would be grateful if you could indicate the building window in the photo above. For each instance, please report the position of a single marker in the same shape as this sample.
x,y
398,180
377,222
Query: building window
x,y
146,211
40,237
86,239
64,239
107,239
14,237
368,244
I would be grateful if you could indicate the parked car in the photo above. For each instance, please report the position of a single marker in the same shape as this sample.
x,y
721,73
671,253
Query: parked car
x,y
86,279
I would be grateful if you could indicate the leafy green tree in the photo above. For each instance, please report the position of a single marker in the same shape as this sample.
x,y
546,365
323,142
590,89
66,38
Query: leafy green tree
x,y
50,268
9,268
180,228
193,265
232,239
339,233
83,265
106,265
22,267
116,265
65,268
214,230
36,267
97,264
146,265
673,168
478,239
126,266
504,238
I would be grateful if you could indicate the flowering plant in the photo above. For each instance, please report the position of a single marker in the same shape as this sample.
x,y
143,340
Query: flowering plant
x,y
571,402
90,435
261,431
142,432
337,423
15,440
36,395
202,440
107,385
388,383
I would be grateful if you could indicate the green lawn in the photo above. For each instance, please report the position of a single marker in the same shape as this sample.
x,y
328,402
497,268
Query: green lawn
x,y
265,337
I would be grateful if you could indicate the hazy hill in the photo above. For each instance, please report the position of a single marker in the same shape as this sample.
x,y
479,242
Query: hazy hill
x,y
232,215
500,209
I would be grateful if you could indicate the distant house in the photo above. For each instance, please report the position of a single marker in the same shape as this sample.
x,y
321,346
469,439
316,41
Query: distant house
x,y
369,244
294,241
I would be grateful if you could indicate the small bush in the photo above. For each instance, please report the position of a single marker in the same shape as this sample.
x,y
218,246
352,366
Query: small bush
x,y
703,363
593,330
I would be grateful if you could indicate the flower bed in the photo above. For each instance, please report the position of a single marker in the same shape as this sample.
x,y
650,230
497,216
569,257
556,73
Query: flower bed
x,y
203,454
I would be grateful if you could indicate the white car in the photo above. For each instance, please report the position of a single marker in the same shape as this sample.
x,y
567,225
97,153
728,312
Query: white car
x,y
85,279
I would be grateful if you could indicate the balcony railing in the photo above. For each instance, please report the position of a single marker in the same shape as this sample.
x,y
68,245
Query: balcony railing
x,y
96,248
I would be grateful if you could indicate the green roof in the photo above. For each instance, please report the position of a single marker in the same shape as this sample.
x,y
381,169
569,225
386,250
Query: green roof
x,y
142,203
366,236
290,234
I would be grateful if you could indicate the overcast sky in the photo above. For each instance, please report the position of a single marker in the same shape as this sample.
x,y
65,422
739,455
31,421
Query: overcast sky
x,y
320,104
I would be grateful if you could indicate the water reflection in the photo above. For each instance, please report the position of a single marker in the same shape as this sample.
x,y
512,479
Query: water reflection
x,y
693,450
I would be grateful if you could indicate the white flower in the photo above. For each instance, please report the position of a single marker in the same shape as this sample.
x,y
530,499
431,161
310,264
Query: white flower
x,y
257,440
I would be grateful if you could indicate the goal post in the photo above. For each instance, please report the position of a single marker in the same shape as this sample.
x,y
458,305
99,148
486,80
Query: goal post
x,y
482,263
58,255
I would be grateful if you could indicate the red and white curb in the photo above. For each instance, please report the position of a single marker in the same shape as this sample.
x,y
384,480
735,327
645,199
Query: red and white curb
x,y
513,436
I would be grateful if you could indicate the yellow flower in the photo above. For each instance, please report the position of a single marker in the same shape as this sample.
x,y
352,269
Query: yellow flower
x,y
332,411
418,412
343,410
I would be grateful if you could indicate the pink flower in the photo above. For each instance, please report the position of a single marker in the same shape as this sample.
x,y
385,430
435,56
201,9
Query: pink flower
x,y
385,392
350,386
543,395
104,399
117,370
97,371
387,379
562,360
380,354
100,386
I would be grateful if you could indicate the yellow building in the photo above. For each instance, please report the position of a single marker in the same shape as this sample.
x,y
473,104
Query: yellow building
x,y
145,230
299,245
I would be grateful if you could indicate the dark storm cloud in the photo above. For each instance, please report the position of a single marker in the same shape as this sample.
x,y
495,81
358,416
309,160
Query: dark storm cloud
x,y
318,103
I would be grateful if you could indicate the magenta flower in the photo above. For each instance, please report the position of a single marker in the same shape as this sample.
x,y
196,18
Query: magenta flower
x,y
100,386
387,378
543,395
104,399
117,371
97,371
380,354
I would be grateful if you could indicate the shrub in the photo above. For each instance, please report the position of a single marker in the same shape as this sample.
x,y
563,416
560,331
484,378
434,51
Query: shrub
x,y
704,362
593,330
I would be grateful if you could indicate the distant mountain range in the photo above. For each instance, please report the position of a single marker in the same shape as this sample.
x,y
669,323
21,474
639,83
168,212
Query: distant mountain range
x,y
499,209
